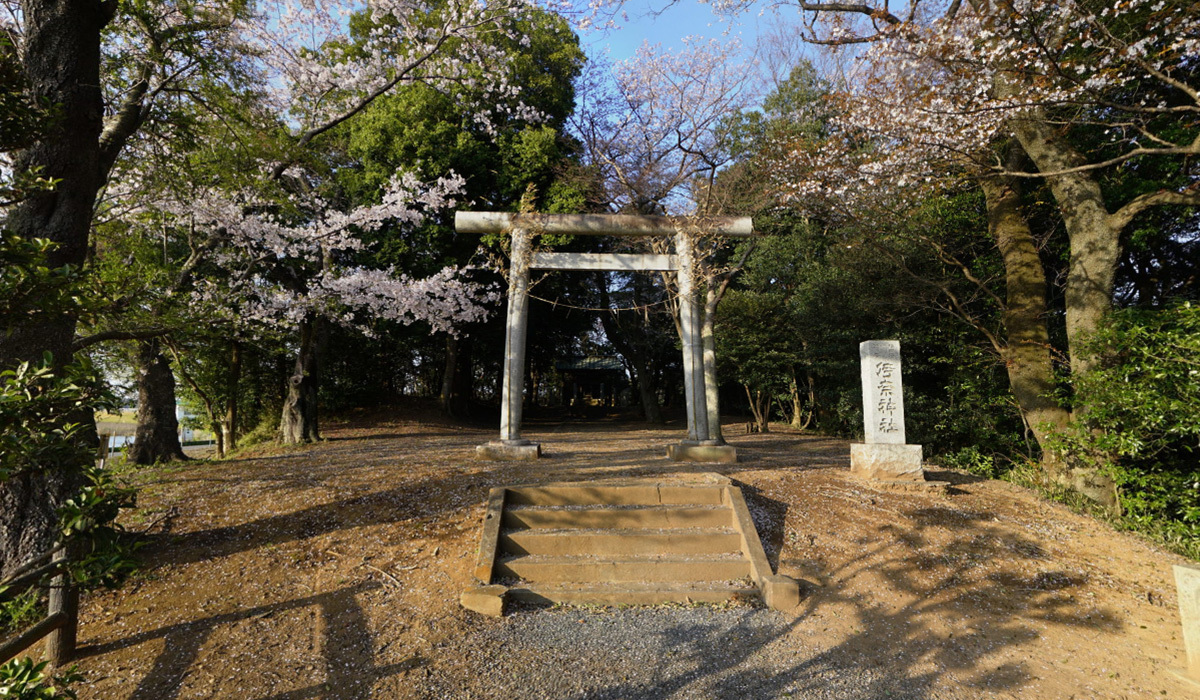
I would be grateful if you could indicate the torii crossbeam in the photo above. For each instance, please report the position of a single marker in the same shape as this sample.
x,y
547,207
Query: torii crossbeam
x,y
699,444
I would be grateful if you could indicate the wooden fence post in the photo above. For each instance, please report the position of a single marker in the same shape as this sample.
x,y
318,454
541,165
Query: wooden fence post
x,y
64,599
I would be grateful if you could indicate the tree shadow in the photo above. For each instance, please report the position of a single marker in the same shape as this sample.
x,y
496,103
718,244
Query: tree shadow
x,y
954,478
350,668
951,611
769,517
993,611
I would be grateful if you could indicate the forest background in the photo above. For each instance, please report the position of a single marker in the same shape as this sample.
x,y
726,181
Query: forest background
x,y
252,216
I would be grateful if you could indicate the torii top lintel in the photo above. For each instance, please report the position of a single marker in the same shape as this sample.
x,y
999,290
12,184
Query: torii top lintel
x,y
598,224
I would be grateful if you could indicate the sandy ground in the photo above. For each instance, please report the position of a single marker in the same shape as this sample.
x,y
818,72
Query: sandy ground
x,y
333,571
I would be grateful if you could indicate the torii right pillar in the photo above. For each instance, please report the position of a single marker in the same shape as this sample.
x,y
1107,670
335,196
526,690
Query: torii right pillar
x,y
700,444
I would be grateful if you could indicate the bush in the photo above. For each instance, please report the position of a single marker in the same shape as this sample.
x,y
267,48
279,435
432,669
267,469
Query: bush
x,y
21,611
22,679
970,459
1138,416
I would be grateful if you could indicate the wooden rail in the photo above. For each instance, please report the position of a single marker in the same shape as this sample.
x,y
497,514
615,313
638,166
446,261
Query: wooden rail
x,y
60,626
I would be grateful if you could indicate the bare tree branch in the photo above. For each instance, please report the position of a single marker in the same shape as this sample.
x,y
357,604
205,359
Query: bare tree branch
x,y
105,336
1121,218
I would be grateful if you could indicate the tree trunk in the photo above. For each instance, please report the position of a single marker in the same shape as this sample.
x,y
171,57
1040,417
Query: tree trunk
x,y
232,380
219,438
61,59
448,372
797,403
210,408
648,392
1027,351
762,415
157,435
299,421
1095,251
800,421
1095,243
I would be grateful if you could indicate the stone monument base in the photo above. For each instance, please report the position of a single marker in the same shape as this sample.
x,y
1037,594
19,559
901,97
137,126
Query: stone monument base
x,y
499,451
702,453
887,462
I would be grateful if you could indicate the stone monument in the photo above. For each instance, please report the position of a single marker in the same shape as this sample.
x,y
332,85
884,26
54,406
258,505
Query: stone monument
x,y
884,454
1187,589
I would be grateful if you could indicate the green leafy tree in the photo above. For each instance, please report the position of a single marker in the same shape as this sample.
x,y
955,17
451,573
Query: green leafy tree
x,y
757,347
423,130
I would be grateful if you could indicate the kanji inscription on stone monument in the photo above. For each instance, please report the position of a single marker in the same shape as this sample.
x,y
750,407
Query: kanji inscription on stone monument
x,y
883,399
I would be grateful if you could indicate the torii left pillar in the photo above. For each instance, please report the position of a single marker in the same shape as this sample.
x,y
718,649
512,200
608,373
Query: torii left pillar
x,y
511,445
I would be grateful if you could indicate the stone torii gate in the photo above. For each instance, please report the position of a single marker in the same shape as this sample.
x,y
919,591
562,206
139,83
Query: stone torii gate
x,y
699,444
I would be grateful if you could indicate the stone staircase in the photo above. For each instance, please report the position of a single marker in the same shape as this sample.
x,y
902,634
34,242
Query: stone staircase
x,y
633,543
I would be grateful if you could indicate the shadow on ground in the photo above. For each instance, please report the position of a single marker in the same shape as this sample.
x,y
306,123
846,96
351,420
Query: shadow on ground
x,y
951,621
891,651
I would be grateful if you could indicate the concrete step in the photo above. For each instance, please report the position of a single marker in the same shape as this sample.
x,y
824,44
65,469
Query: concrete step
x,y
619,517
647,495
615,542
633,593
626,543
681,568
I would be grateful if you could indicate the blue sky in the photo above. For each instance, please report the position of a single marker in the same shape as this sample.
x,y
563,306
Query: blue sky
x,y
683,18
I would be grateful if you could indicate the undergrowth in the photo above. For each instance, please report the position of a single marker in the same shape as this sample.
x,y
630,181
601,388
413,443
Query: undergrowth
x,y
1172,535
22,679
19,612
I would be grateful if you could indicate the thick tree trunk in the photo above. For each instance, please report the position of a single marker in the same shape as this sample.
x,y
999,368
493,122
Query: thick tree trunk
x,y
1091,271
62,62
219,438
157,435
1027,351
232,379
1095,243
299,421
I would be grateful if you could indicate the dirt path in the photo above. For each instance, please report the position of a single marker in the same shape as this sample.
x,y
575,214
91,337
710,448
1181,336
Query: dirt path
x,y
334,572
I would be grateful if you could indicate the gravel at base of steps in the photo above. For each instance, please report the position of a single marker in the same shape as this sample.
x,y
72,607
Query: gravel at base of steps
x,y
661,652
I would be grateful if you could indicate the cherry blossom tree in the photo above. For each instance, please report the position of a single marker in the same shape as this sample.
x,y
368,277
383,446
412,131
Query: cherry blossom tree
x,y
1006,95
653,133
107,67
290,266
